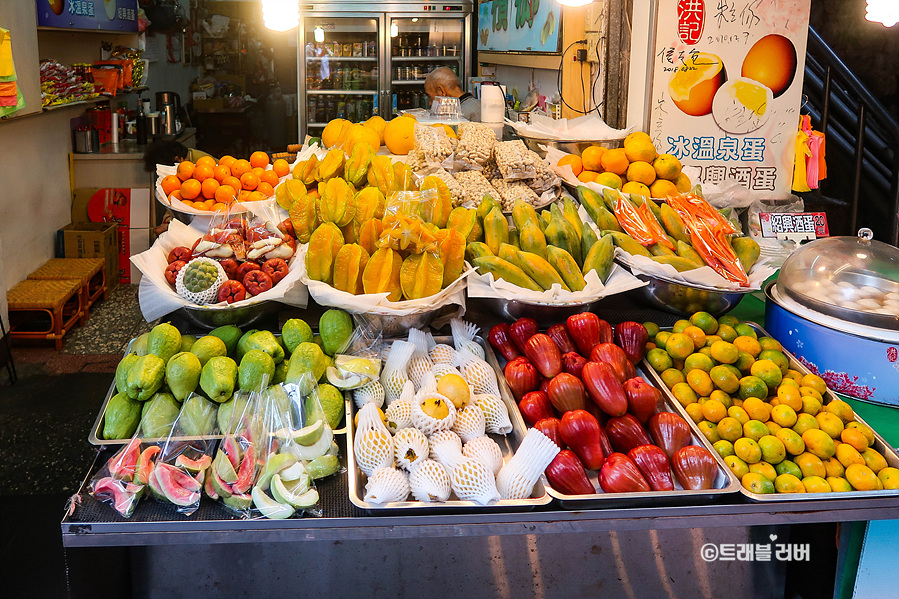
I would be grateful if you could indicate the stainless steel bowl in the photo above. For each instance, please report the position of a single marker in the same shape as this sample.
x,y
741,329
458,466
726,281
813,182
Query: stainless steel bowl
x,y
681,298
207,317
397,326
545,314
570,147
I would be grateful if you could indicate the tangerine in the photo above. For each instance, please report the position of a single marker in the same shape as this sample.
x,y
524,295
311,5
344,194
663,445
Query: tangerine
x,y
186,170
225,194
587,176
635,188
259,159
281,167
240,167
641,172
209,187
206,161
591,158
203,172
615,161
249,181
227,160
574,162
190,189
169,184
265,189
270,177
221,172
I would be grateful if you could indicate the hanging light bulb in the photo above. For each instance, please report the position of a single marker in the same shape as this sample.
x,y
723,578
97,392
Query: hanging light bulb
x,y
574,3
281,15
394,30
319,34
883,11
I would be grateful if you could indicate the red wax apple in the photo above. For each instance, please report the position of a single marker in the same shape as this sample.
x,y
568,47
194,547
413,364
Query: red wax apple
x,y
620,475
625,433
276,268
171,271
580,431
585,331
180,253
559,334
231,267
566,393
695,467
566,474
669,431
521,376
604,388
551,427
244,268
501,341
632,338
535,406
286,227
573,363
544,354
257,281
521,330
642,398
654,466
614,356
232,291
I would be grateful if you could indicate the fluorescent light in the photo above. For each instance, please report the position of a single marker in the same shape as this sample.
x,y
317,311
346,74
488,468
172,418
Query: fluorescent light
x,y
883,11
574,3
394,30
319,34
415,19
281,15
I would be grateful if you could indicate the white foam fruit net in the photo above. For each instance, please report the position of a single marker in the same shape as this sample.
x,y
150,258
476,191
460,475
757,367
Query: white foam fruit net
x,y
442,354
473,481
386,485
428,384
496,414
373,449
399,415
440,370
370,393
210,295
430,482
420,363
446,448
485,450
427,423
517,478
409,447
394,375
470,423
370,418
463,337
480,376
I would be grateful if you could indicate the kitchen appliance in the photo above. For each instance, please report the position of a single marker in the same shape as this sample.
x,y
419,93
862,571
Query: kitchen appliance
x,y
153,124
835,305
362,60
169,106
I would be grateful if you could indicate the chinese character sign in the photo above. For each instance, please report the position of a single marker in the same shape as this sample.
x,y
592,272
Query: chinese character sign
x,y
727,87
519,25
107,15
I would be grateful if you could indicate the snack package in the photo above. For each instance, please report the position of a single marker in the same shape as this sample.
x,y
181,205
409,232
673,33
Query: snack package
x,y
513,160
434,143
117,483
475,147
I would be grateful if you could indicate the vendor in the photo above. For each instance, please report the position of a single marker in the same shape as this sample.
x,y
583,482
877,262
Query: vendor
x,y
443,82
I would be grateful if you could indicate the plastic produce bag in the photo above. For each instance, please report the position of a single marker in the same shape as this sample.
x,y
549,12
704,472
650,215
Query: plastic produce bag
x,y
358,363
116,483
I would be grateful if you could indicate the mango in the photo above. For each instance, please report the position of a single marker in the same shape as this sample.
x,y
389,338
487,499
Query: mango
x,y
588,238
349,264
685,250
522,212
657,249
679,263
324,244
560,233
502,269
569,211
567,267
382,274
537,268
488,203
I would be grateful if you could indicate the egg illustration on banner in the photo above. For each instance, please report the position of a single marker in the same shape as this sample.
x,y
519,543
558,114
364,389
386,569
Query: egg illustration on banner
x,y
742,105
56,6
772,62
110,9
693,86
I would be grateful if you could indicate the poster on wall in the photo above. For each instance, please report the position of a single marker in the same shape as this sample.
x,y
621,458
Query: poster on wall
x,y
519,26
106,15
727,88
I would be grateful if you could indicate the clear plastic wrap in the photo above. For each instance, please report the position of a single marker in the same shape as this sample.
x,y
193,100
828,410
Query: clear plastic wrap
x,y
116,483
475,147
513,161
434,143
474,187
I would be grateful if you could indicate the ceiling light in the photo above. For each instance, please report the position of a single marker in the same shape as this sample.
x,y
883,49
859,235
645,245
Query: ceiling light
x,y
394,30
574,3
319,34
883,11
281,15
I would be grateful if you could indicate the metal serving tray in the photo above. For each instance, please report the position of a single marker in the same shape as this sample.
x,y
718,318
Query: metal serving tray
x,y
507,444
879,443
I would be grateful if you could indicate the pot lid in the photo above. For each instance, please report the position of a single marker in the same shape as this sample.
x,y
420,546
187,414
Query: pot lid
x,y
855,279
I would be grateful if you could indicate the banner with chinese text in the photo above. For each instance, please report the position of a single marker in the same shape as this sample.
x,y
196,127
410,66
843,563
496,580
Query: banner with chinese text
x,y
727,88
106,15
519,26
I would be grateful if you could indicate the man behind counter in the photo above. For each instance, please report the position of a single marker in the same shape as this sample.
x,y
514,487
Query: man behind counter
x,y
443,82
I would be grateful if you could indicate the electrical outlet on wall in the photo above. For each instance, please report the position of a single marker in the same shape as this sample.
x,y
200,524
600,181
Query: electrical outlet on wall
x,y
592,47
594,15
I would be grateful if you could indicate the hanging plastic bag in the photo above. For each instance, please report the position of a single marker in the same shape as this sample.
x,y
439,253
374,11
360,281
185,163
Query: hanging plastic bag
x,y
357,363
116,483
234,467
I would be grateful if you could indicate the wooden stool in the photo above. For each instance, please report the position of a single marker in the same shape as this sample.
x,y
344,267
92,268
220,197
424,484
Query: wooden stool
x,y
60,298
90,271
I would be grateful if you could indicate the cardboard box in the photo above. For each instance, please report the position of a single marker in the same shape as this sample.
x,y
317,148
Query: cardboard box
x,y
129,208
130,243
91,240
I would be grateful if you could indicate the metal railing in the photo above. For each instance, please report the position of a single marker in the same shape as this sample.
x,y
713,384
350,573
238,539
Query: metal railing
x,y
861,131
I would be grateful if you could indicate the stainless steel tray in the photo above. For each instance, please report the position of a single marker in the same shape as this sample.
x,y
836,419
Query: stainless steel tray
x,y
879,443
507,444
725,484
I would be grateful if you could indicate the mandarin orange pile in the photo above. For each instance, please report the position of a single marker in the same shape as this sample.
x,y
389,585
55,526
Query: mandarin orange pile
x,y
214,186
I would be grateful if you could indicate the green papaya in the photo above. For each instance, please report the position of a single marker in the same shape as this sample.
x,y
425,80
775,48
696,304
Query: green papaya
x,y
514,238
610,198
477,249
685,250
588,238
628,244
605,220
567,267
496,229
522,212
747,250
569,211
545,218
532,239
486,206
653,207
503,269
673,223
657,249
680,264
560,233
601,258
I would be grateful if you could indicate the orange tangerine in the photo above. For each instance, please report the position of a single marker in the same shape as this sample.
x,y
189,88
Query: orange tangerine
x,y
257,170
281,167
587,176
259,159
265,189
206,161
249,181
696,334
169,184
574,162
186,170
270,177
662,188
220,172
219,207
243,195
227,160
591,158
190,189
615,161
208,204
176,195
209,187
232,182
202,172
187,203
641,172
635,188
608,179
225,194
255,196
640,149
240,167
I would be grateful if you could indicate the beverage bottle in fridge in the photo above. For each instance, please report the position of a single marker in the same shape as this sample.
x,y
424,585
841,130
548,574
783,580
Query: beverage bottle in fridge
x,y
321,109
311,110
395,103
341,107
373,105
351,109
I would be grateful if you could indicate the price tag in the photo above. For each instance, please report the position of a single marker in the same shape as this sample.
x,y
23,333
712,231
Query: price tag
x,y
797,226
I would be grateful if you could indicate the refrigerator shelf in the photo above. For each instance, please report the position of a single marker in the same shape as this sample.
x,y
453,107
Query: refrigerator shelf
x,y
423,58
344,58
343,92
408,82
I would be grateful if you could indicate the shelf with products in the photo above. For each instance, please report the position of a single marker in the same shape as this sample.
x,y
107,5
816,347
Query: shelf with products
x,y
343,92
344,58
424,58
409,82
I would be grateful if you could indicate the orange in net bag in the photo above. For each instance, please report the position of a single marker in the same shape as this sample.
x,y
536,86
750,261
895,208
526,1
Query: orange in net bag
x,y
640,224
708,233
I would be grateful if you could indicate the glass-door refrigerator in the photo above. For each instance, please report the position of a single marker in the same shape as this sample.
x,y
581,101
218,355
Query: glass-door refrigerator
x,y
363,59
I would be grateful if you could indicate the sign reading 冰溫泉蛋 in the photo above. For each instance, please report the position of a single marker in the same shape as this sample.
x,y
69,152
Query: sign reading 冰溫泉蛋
x,y
727,86
107,15
519,26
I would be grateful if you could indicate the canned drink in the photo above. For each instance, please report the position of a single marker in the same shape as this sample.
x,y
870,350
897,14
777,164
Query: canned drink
x,y
416,72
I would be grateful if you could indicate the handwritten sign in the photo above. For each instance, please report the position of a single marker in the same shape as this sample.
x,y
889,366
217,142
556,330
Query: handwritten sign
x,y
727,86
519,26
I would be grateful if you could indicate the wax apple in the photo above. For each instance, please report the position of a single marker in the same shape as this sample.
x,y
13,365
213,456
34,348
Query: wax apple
x,y
604,388
654,466
669,431
499,337
642,398
625,433
559,334
521,376
632,338
695,467
521,330
544,354
551,427
566,473
534,406
566,392
620,475
573,363
581,432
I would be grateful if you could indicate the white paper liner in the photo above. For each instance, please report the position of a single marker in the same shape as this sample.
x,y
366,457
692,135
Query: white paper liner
x,y
399,415
377,303
386,485
157,298
410,446
394,375
584,128
430,482
442,354
478,373
702,277
427,423
496,413
463,336
485,450
517,478
470,423
373,449
370,393
473,481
